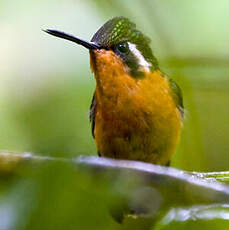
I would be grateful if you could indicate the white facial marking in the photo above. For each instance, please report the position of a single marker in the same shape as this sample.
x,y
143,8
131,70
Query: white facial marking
x,y
141,60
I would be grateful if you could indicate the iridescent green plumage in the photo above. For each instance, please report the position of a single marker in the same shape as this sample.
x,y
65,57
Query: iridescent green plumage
x,y
119,30
116,30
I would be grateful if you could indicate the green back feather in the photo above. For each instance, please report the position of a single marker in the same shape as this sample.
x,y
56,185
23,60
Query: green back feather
x,y
177,96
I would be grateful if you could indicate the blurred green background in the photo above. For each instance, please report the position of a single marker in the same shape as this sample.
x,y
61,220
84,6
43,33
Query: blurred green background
x,y
46,84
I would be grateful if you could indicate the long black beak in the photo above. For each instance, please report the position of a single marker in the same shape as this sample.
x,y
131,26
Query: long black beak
x,y
88,45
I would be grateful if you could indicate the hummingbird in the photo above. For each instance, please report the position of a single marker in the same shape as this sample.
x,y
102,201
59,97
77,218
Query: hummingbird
x,y
136,111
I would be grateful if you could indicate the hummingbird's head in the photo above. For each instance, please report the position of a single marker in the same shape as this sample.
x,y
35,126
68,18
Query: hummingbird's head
x,y
119,38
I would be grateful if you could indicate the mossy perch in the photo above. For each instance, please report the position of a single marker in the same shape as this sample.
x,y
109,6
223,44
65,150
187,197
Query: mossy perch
x,y
148,189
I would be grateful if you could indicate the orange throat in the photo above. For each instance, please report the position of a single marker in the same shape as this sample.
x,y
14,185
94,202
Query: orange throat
x,y
135,118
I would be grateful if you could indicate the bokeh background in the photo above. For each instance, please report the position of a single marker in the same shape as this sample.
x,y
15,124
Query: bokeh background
x,y
46,84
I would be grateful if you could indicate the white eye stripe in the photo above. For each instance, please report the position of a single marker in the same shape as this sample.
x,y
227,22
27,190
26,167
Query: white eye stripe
x,y
141,60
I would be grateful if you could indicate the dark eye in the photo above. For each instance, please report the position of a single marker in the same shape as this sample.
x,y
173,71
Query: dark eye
x,y
123,47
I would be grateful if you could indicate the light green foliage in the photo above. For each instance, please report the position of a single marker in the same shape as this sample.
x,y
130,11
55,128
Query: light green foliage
x,y
45,92
103,190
